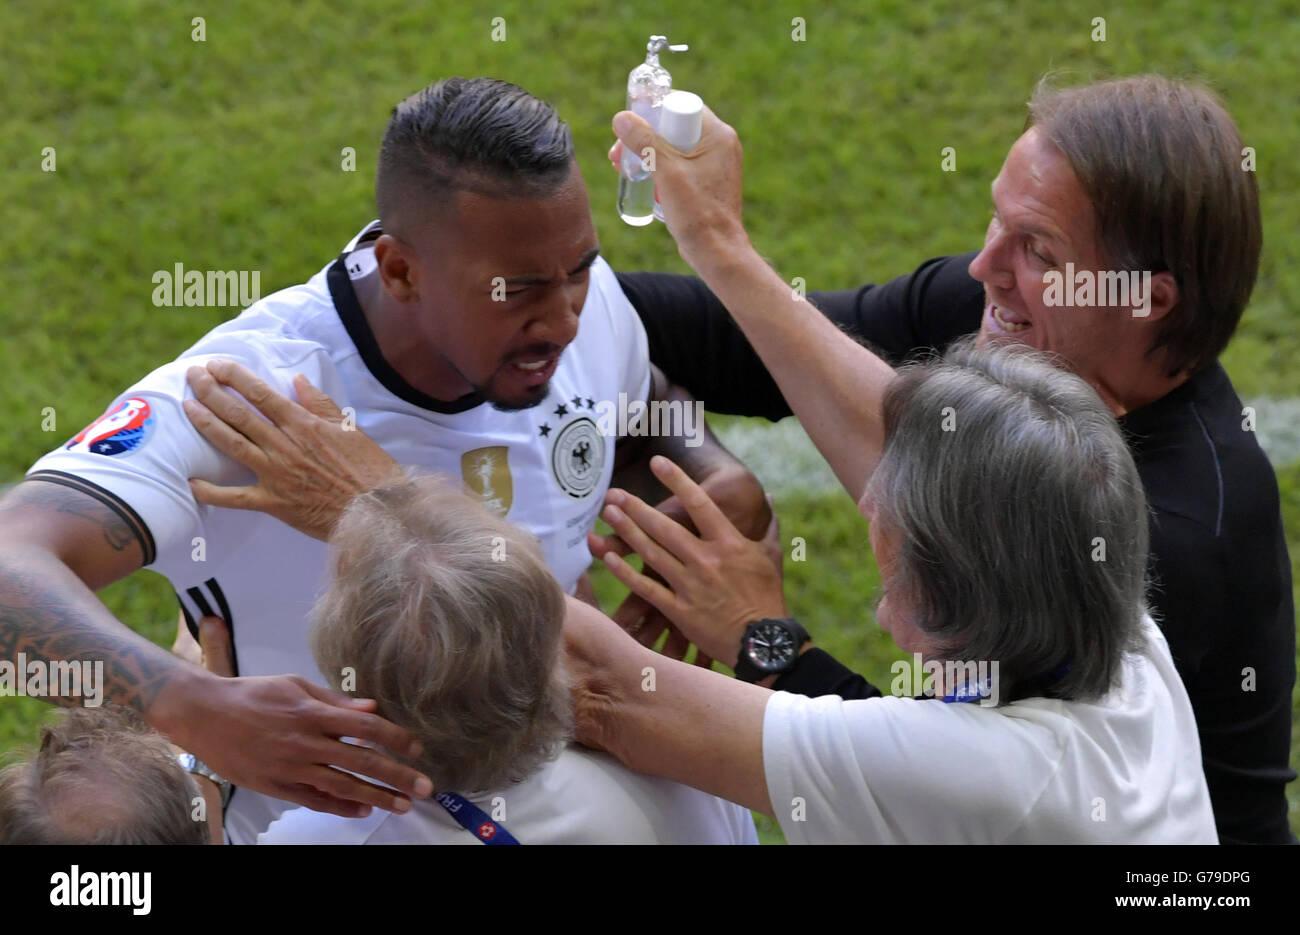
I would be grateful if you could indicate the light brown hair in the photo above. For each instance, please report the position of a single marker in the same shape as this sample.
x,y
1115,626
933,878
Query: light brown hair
x,y
1162,163
452,622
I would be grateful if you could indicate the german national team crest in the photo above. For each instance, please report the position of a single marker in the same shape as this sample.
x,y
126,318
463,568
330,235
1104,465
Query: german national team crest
x,y
121,430
578,457
486,472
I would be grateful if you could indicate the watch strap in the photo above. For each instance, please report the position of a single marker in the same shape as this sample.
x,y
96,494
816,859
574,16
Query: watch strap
x,y
192,764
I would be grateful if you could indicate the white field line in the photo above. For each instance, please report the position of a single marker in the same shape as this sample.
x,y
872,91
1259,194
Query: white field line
x,y
784,458
1277,424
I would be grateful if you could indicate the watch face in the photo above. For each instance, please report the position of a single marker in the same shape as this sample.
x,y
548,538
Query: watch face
x,y
770,646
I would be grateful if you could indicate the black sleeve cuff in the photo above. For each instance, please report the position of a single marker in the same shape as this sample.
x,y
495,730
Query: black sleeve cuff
x,y
817,673
138,527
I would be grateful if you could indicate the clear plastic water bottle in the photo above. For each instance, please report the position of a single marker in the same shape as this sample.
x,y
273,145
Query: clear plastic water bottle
x,y
647,86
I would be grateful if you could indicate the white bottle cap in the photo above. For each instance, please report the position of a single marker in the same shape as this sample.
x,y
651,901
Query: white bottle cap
x,y
681,119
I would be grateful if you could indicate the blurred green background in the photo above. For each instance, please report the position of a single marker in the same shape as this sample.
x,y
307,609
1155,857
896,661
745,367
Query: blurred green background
x,y
226,154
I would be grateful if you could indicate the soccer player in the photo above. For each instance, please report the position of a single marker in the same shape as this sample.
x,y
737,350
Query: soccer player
x,y
449,330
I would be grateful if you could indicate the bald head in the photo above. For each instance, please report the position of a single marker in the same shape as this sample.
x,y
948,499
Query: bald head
x,y
101,776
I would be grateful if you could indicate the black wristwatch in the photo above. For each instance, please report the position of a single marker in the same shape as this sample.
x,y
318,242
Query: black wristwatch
x,y
769,647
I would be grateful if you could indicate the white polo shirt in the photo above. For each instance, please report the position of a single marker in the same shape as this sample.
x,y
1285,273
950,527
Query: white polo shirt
x,y
1122,770
580,797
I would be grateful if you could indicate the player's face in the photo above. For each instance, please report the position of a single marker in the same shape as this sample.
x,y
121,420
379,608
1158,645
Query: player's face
x,y
508,284
1041,220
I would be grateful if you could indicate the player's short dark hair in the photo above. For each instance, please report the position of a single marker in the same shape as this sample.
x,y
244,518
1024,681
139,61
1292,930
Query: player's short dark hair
x,y
100,776
469,134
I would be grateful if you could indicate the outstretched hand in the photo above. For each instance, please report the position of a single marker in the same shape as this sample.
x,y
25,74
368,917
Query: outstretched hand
x,y
283,736
712,584
310,459
739,497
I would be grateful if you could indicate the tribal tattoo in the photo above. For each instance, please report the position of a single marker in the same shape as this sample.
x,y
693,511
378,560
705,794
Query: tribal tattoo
x,y
43,616
38,495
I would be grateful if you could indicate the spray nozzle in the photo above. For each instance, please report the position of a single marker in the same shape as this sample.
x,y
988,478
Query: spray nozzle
x,y
659,44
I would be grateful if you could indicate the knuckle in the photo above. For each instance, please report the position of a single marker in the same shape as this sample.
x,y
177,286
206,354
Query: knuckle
x,y
697,497
369,763
258,391
241,448
237,414
333,783
315,428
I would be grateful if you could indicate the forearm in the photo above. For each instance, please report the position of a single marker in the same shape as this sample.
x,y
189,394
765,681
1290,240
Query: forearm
x,y
695,341
49,615
695,449
818,673
833,384
695,727
662,717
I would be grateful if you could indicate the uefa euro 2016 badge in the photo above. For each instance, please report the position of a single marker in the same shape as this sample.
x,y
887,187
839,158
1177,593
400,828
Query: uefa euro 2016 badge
x,y
121,430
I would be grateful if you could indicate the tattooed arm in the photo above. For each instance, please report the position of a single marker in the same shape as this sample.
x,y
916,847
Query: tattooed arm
x,y
277,735
57,546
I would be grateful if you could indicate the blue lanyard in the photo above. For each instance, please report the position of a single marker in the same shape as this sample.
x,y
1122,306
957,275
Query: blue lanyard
x,y
474,820
976,692
963,695
968,692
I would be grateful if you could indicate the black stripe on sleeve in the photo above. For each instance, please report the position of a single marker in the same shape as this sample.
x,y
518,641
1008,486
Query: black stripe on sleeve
x,y
201,602
110,500
225,615
190,623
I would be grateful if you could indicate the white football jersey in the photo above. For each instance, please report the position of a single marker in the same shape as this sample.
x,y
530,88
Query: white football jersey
x,y
546,468
580,797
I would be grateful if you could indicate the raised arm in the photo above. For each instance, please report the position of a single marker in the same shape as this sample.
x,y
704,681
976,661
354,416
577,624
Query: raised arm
x,y
833,384
698,345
